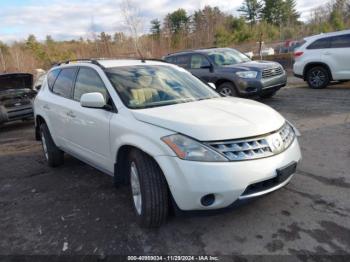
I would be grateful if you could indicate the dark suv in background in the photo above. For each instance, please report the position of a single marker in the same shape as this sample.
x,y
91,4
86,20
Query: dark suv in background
x,y
16,97
232,72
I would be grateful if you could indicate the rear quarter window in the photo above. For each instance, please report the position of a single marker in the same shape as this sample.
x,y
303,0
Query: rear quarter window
x,y
322,43
64,83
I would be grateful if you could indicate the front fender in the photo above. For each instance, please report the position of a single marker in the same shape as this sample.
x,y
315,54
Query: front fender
x,y
150,146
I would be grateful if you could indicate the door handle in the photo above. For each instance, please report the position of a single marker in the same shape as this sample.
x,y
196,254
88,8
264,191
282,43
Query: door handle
x,y
71,114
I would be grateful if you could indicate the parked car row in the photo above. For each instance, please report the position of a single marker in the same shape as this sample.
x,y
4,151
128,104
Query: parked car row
x,y
161,129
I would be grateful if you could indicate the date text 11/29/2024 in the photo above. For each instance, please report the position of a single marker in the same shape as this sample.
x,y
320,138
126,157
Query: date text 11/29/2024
x,y
173,258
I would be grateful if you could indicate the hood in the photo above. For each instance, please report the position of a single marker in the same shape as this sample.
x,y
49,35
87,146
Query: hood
x,y
16,81
214,119
255,65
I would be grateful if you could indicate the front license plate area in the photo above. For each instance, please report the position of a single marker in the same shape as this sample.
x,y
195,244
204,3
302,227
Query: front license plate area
x,y
285,172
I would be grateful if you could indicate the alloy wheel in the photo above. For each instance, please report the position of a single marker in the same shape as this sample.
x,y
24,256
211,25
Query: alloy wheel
x,y
43,142
317,78
226,91
135,187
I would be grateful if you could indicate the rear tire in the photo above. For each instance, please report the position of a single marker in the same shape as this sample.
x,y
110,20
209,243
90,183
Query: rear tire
x,y
149,190
227,89
318,77
54,156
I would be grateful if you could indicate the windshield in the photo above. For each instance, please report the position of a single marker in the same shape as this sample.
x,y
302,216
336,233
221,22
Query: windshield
x,y
153,86
223,57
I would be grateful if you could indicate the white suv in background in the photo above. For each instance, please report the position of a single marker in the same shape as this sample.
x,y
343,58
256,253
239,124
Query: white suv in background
x,y
323,58
172,138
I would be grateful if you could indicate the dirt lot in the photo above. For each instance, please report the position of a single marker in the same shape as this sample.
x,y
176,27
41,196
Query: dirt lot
x,y
75,209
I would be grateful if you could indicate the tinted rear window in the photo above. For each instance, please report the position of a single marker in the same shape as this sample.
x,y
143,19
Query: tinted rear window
x,y
64,82
51,77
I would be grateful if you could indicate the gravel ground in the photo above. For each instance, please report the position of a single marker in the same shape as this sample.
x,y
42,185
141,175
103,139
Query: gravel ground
x,y
75,209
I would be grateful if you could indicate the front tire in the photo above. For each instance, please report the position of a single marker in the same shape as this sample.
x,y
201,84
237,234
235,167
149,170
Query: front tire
x,y
54,156
227,89
149,190
267,94
318,77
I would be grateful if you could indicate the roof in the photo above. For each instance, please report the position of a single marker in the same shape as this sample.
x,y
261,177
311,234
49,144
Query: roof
x,y
204,50
327,34
109,63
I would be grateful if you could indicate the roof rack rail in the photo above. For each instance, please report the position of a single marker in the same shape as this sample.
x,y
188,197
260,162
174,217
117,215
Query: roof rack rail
x,y
95,60
143,60
193,49
86,60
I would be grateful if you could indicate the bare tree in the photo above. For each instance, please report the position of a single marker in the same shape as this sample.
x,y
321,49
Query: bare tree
x,y
134,21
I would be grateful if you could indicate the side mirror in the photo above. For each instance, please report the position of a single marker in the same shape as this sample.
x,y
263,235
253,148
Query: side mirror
x,y
212,85
37,88
93,100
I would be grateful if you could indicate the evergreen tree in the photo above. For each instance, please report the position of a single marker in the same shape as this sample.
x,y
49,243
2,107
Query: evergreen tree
x,y
155,27
251,10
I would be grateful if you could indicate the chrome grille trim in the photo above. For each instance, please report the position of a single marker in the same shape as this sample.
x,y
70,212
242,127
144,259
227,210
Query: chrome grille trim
x,y
270,72
258,147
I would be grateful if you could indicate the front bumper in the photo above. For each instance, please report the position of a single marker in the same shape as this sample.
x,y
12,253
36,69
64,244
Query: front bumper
x,y
189,181
249,87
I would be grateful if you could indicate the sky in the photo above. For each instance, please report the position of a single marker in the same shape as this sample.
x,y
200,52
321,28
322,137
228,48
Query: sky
x,y
71,19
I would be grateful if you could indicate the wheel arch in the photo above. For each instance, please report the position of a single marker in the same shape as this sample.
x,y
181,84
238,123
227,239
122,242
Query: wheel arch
x,y
38,121
121,155
224,80
314,64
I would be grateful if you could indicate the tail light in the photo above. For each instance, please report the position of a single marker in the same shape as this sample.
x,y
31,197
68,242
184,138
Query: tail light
x,y
298,54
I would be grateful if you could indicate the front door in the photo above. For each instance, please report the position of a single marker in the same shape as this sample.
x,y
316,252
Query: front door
x,y
88,130
201,68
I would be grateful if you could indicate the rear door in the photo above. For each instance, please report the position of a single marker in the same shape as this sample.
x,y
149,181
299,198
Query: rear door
x,y
182,60
88,129
339,54
61,84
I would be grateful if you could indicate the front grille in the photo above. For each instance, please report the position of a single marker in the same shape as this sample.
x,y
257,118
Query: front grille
x,y
258,147
270,72
19,112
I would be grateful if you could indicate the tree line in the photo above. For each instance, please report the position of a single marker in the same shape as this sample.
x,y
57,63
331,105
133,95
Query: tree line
x,y
266,20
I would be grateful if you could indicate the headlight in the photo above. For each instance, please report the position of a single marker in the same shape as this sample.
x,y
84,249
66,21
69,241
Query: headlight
x,y
296,131
189,149
247,74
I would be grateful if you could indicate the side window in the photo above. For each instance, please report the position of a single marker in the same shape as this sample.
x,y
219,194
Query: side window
x,y
52,76
88,81
64,82
341,41
199,61
182,60
320,44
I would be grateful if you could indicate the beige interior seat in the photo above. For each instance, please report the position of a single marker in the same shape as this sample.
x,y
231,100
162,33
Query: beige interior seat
x,y
144,93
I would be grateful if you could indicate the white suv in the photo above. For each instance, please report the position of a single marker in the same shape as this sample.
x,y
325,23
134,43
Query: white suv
x,y
323,58
171,137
